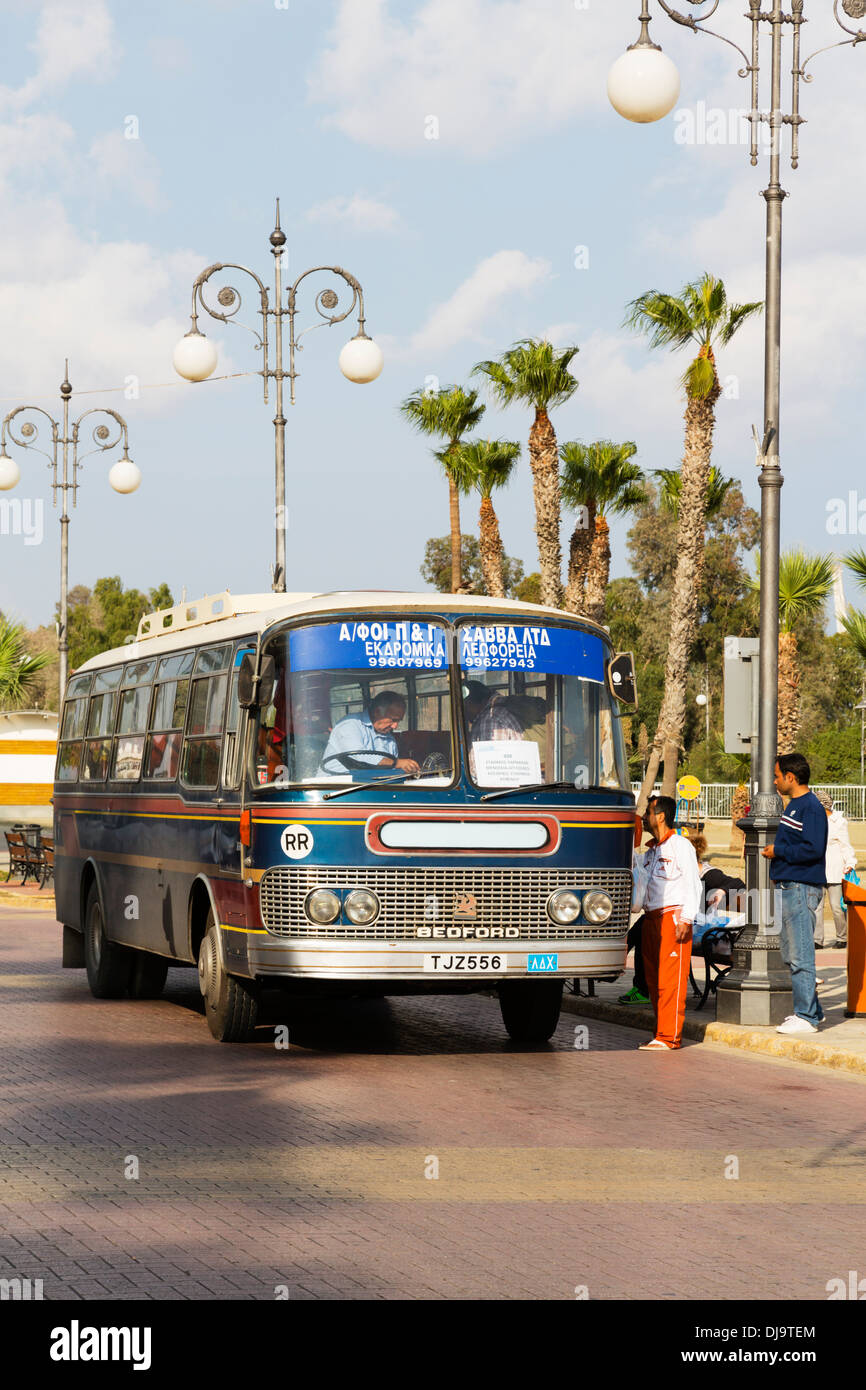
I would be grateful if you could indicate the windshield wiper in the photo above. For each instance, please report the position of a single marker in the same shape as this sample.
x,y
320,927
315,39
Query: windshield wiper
x,y
540,787
400,781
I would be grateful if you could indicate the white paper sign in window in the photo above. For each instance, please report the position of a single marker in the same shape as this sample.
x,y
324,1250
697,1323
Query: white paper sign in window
x,y
507,763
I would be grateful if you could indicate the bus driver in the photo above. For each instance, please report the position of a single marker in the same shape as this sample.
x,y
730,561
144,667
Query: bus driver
x,y
373,730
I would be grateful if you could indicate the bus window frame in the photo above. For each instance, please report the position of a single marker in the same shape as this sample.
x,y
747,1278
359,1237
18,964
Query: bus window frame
x,y
225,673
451,671
552,735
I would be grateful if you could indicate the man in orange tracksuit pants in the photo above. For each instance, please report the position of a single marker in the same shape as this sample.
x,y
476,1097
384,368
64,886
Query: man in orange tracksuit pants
x,y
669,890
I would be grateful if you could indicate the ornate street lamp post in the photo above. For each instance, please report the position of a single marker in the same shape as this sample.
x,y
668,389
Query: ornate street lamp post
x,y
360,360
642,87
124,476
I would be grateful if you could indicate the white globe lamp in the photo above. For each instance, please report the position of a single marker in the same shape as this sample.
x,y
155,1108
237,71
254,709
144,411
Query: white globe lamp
x,y
9,473
643,84
125,476
361,359
195,357
701,700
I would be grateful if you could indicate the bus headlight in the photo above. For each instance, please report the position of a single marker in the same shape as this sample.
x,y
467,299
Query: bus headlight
x,y
322,906
361,907
597,906
563,906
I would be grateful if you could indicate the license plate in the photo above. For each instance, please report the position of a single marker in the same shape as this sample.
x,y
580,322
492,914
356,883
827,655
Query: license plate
x,y
470,963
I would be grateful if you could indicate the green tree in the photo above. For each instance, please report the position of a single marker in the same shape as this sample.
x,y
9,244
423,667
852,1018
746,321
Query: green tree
x,y
699,316
487,464
436,567
528,590
598,480
449,414
18,665
534,373
104,618
804,583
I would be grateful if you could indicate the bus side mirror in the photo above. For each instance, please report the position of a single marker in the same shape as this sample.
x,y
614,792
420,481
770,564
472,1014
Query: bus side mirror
x,y
267,681
248,696
621,680
246,680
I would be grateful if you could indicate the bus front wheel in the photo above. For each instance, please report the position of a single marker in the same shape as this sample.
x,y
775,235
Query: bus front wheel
x,y
108,964
530,1008
231,1005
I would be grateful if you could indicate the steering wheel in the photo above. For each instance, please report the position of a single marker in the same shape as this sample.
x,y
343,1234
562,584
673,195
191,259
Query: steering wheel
x,y
360,753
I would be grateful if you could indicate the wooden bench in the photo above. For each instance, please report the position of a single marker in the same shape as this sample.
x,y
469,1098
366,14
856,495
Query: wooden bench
x,y
25,858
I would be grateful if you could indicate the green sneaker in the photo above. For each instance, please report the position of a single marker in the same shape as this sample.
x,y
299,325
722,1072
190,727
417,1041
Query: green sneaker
x,y
634,996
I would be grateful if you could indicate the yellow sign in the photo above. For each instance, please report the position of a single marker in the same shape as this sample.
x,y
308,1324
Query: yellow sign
x,y
688,788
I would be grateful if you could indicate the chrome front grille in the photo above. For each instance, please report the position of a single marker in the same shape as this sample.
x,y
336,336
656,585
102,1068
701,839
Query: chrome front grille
x,y
413,898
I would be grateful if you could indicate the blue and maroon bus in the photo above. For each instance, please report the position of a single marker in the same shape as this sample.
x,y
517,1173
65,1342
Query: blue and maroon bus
x,y
371,792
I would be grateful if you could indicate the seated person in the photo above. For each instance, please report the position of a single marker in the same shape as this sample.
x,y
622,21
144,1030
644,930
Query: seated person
x,y
373,730
488,714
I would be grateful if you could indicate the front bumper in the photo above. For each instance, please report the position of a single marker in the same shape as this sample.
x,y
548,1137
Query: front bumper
x,y
269,957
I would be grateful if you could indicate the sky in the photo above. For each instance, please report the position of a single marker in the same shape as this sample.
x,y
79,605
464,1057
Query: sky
x,y
461,159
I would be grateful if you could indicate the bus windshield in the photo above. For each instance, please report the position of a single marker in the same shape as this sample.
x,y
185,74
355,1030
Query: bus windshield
x,y
357,700
537,709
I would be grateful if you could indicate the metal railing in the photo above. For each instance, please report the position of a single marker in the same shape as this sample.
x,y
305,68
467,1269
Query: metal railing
x,y
714,802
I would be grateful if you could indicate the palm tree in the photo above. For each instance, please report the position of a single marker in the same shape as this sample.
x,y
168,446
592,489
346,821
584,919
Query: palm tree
x,y
699,315
598,480
670,487
17,667
532,371
486,464
804,583
448,413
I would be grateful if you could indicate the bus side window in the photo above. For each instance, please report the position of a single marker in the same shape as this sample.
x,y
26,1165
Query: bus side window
x,y
71,731
203,744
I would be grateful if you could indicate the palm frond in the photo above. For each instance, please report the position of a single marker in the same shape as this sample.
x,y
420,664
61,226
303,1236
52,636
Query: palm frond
x,y
17,666
532,370
856,563
484,464
804,584
448,413
664,318
699,378
601,473
737,316
855,626
670,486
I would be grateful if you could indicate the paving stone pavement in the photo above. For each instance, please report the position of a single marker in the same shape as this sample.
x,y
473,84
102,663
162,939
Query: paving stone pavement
x,y
139,1159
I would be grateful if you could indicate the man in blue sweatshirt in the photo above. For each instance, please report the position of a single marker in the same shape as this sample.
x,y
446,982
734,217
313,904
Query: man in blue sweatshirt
x,y
797,870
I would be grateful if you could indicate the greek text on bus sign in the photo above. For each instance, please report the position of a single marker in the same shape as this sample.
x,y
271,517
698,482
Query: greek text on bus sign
x,y
550,650
370,643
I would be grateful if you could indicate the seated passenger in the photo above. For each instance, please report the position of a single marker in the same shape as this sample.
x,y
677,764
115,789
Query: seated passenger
x,y
488,714
373,730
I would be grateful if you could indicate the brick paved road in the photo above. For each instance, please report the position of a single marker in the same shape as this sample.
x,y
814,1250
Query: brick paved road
x,y
260,1168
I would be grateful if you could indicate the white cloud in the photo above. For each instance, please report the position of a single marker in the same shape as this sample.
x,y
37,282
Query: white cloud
x,y
125,166
465,314
358,212
492,72
561,334
74,38
116,309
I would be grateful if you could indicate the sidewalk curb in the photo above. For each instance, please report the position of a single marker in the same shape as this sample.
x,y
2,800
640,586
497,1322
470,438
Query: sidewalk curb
x,y
729,1035
13,899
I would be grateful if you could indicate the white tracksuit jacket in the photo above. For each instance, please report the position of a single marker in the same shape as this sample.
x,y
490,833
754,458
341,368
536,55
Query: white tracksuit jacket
x,y
668,877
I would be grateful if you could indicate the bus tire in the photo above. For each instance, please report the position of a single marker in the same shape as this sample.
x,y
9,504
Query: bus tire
x,y
530,1008
147,976
108,964
231,1005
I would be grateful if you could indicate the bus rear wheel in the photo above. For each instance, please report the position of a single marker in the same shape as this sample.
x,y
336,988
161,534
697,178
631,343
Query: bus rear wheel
x,y
231,1005
147,976
530,1008
108,964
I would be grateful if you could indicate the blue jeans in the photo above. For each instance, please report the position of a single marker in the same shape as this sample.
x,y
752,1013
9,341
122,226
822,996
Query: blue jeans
x,y
797,904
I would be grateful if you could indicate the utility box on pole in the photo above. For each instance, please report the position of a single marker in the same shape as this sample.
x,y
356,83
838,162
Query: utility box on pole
x,y
741,694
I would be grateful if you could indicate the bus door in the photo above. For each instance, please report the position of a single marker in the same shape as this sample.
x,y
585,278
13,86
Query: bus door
x,y
227,844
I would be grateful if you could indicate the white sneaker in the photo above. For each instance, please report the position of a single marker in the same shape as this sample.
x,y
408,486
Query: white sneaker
x,y
794,1024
